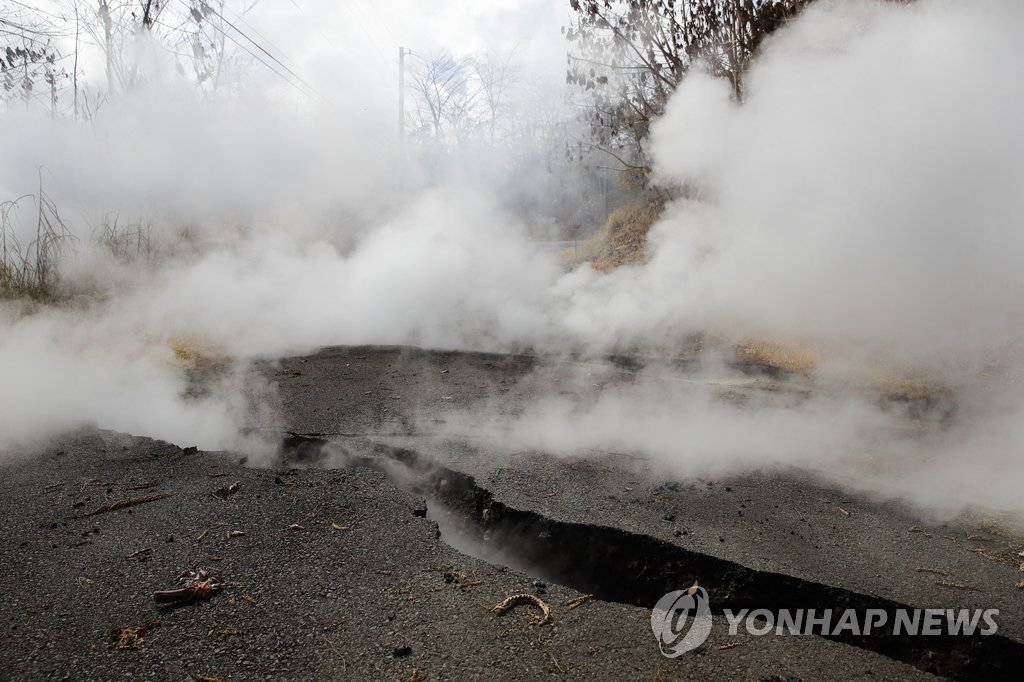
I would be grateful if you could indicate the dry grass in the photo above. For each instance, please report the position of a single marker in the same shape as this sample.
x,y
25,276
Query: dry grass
x,y
900,387
621,241
186,349
30,272
128,243
194,350
919,395
785,355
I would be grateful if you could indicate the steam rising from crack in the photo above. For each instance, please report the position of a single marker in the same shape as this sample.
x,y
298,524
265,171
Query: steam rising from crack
x,y
864,198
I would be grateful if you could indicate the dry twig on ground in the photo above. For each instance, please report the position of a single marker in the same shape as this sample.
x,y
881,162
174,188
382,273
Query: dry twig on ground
x,y
524,598
129,638
197,584
130,502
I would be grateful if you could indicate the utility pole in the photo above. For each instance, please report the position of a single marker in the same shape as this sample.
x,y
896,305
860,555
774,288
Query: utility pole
x,y
75,76
401,97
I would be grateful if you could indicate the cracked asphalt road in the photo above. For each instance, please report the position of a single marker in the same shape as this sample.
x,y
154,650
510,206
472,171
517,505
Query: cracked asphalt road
x,y
364,587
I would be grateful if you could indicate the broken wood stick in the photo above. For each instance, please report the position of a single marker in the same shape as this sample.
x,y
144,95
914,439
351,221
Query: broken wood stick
x,y
130,502
957,586
198,584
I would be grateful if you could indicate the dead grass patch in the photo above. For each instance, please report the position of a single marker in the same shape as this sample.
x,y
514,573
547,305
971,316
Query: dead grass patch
x,y
785,355
621,241
187,349
197,354
896,387
30,271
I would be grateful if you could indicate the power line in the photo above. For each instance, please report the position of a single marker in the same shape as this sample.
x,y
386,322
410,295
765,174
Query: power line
x,y
241,19
371,24
250,53
371,34
180,28
33,31
374,63
37,10
309,88
264,63
30,39
261,49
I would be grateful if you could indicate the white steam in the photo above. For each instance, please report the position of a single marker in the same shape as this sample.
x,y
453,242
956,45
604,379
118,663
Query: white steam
x,y
867,190
864,197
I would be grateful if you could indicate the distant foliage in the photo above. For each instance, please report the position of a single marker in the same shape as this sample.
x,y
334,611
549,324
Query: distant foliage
x,y
25,66
455,101
629,56
40,47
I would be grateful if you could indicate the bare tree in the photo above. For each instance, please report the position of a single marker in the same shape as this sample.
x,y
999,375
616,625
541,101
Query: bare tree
x,y
207,42
630,55
495,77
28,58
31,38
446,97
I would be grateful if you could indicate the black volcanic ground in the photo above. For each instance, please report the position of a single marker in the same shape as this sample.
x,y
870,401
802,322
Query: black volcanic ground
x,y
344,573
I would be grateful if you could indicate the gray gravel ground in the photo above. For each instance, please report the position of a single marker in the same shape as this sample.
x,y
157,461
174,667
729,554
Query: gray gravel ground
x,y
364,587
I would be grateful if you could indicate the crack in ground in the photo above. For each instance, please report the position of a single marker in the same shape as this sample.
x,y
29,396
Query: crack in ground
x,y
630,568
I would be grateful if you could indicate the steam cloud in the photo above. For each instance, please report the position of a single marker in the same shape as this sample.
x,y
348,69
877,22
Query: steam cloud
x,y
864,197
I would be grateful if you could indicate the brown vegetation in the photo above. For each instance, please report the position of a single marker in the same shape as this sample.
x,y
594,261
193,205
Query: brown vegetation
x,y
31,271
622,240
785,355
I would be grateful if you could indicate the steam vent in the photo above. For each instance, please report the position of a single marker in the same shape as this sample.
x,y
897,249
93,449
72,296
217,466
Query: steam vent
x,y
552,339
